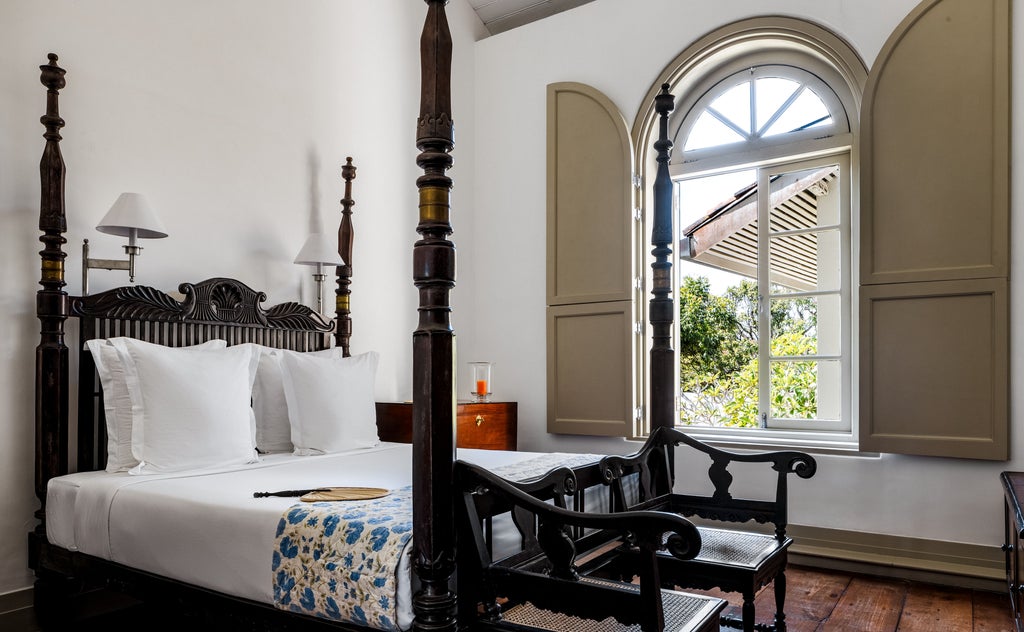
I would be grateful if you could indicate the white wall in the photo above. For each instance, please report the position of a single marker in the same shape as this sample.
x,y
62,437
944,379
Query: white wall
x,y
234,117
621,48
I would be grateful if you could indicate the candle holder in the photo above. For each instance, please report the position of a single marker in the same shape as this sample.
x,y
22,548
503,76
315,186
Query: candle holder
x,y
481,381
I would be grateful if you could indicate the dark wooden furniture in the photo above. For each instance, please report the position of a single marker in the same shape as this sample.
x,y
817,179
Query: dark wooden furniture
x,y
225,308
215,308
488,426
552,584
1013,494
731,559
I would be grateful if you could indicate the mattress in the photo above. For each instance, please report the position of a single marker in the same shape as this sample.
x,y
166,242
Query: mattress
x,y
205,528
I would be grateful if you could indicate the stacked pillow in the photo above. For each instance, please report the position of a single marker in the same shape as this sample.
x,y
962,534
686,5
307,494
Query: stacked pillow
x,y
172,409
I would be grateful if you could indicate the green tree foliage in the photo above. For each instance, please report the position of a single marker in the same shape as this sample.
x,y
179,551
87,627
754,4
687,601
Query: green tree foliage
x,y
719,359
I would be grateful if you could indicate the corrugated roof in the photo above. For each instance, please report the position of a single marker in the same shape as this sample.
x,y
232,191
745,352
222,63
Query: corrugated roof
x,y
726,237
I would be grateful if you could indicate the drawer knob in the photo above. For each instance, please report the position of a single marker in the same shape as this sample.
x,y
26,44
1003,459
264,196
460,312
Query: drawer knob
x,y
479,420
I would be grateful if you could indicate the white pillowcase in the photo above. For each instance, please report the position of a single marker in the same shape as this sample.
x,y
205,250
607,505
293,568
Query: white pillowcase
x,y
190,409
273,430
330,402
117,403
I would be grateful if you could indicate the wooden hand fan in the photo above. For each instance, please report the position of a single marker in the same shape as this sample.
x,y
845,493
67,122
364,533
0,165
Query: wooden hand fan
x,y
321,494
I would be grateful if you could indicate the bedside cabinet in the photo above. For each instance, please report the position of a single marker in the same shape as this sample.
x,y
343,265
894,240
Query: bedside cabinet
x,y
489,426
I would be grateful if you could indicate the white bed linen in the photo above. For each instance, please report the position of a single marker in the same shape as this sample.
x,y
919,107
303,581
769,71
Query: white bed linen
x,y
205,528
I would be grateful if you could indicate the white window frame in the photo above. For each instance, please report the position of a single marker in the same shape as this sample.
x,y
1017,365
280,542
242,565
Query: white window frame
x,y
821,146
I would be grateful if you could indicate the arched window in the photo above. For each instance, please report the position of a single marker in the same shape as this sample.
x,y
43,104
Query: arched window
x,y
763,140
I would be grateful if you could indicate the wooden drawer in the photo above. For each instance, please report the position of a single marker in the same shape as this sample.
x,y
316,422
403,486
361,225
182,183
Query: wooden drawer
x,y
490,426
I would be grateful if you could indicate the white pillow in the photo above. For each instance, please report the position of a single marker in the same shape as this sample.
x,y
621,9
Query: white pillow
x,y
273,430
190,409
117,403
330,402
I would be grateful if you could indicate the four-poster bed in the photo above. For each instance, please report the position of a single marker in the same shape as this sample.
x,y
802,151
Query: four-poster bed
x,y
540,578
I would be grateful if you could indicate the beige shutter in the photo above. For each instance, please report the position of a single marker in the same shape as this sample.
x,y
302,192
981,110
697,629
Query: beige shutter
x,y
590,339
934,235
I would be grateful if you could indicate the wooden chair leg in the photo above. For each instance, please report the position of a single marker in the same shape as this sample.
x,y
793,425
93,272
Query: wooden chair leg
x,y
748,612
780,601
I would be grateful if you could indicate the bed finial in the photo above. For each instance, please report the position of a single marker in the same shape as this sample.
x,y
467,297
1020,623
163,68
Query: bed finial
x,y
434,405
661,305
51,299
346,235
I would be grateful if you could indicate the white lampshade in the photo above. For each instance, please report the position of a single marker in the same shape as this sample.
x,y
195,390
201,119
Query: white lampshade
x,y
319,249
132,211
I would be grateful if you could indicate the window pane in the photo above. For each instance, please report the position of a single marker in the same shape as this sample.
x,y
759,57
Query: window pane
x,y
805,199
710,132
806,110
772,93
806,389
810,325
701,198
809,262
735,106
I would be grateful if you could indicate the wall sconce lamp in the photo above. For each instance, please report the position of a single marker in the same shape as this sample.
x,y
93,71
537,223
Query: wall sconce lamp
x,y
319,251
131,216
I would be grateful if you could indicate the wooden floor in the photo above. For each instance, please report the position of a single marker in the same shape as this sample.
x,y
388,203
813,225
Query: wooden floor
x,y
817,601
834,601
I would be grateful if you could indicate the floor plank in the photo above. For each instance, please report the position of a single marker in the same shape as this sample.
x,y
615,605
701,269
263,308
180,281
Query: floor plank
x,y
868,604
811,596
991,612
934,608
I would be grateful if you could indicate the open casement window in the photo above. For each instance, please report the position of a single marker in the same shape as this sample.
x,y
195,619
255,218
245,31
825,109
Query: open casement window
x,y
934,235
764,255
591,334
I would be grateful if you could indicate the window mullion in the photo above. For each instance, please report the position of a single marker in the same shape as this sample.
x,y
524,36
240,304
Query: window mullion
x,y
764,334
724,120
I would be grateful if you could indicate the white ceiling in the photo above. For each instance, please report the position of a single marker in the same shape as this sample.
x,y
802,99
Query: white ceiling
x,y
502,15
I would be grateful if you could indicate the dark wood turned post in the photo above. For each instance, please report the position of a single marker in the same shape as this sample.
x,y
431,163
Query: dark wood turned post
x,y
346,235
51,301
664,387
433,409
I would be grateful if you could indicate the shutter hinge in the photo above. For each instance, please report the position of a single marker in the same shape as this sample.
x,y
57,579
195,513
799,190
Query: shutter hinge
x,y
636,180
764,420
638,326
638,413
638,283
638,214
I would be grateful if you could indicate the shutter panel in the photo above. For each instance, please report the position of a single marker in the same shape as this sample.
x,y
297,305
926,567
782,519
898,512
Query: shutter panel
x,y
934,235
590,339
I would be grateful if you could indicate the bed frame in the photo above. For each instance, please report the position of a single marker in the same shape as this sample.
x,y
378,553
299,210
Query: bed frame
x,y
226,308
215,308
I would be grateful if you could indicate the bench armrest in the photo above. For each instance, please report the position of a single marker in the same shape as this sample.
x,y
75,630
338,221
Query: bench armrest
x,y
644,529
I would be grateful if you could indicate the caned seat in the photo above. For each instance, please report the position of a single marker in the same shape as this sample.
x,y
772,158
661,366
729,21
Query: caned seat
x,y
684,612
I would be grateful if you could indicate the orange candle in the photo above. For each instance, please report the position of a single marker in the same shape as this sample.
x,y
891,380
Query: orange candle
x,y
481,387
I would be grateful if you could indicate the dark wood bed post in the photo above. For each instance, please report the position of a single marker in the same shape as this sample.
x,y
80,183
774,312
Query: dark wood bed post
x,y
52,304
433,382
346,234
663,385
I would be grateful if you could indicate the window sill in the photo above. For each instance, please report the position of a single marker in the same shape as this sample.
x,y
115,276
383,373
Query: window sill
x,y
834,444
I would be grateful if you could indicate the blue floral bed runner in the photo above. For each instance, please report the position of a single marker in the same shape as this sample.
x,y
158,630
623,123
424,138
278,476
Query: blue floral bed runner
x,y
339,560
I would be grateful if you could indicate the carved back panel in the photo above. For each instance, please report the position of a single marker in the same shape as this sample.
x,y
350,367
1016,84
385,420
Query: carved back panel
x,y
217,308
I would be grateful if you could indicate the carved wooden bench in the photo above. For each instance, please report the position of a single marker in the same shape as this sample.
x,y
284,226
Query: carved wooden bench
x,y
732,558
551,583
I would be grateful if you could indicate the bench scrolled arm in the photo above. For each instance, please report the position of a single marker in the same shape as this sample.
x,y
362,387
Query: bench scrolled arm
x,y
645,529
799,463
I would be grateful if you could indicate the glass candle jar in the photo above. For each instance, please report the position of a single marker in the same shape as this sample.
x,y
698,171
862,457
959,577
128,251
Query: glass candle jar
x,y
481,381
